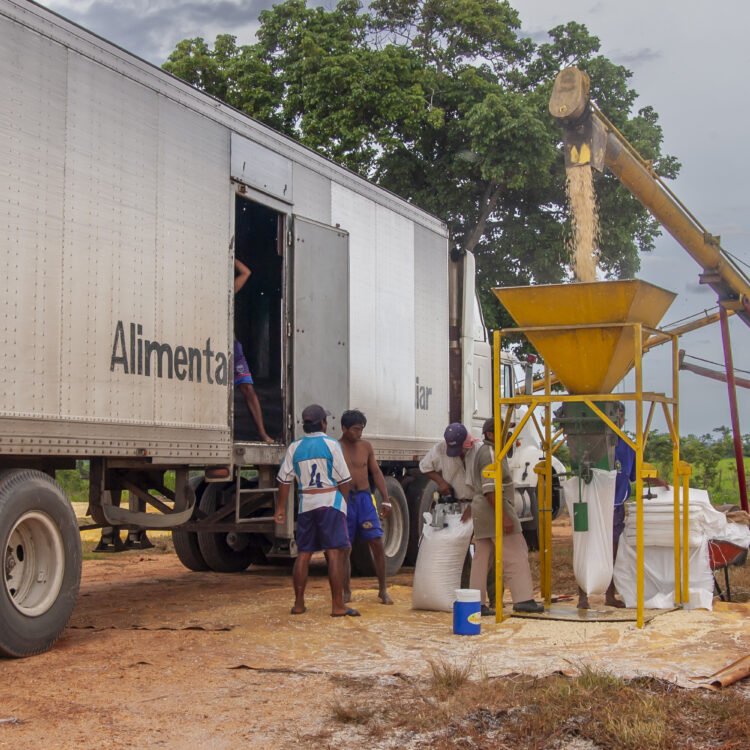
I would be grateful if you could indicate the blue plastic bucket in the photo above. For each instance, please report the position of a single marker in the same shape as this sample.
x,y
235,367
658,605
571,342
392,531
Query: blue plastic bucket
x,y
467,612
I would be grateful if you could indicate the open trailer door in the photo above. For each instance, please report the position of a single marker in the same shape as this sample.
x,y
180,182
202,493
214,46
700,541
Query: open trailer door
x,y
320,321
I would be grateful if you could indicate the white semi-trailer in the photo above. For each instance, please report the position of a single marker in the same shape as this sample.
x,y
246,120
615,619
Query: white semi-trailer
x,y
125,196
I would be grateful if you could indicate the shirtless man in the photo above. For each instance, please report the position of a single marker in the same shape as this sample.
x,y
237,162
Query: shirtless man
x,y
361,512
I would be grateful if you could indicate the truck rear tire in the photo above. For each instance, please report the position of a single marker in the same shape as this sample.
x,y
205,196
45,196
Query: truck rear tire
x,y
41,562
214,547
420,497
395,534
185,543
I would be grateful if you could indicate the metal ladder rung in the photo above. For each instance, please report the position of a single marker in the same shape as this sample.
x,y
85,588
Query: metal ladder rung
x,y
239,491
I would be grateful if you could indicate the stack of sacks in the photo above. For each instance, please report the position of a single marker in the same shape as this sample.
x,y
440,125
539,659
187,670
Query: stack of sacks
x,y
705,522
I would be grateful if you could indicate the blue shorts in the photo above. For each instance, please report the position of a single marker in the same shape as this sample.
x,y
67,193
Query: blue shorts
x,y
241,369
321,528
362,516
618,522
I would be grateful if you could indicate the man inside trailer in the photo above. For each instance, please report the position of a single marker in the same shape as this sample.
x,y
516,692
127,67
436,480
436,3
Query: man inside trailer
x,y
243,380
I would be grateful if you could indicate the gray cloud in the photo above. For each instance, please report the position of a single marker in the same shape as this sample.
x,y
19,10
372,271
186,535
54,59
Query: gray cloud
x,y
538,36
636,57
152,28
693,287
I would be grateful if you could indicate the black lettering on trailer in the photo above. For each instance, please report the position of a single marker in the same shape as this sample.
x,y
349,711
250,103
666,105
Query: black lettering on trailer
x,y
181,362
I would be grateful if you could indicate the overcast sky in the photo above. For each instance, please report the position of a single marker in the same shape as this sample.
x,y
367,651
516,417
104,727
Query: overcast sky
x,y
689,61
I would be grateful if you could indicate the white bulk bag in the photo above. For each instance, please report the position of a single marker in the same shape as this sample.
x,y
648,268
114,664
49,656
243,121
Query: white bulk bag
x,y
658,576
705,522
592,549
441,556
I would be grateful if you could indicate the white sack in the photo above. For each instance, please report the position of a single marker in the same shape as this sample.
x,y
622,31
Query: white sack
x,y
592,549
441,556
705,522
658,576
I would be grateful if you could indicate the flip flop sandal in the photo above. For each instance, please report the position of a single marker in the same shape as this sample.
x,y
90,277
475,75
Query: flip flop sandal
x,y
349,613
301,612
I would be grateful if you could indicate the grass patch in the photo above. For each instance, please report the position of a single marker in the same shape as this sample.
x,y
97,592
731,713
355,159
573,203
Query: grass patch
x,y
447,677
593,707
351,712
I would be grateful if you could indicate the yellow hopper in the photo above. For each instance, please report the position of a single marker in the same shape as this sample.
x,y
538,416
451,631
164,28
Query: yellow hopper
x,y
588,357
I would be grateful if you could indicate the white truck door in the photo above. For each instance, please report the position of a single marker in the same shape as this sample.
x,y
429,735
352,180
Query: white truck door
x,y
320,321
476,352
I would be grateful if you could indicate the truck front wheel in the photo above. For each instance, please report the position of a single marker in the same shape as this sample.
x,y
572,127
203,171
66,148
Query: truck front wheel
x,y
395,534
41,562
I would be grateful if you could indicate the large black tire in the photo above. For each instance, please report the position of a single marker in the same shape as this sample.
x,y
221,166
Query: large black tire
x,y
186,542
395,535
420,497
40,551
217,553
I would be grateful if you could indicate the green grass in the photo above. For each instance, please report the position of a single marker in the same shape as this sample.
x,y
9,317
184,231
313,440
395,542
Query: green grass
x,y
75,482
726,487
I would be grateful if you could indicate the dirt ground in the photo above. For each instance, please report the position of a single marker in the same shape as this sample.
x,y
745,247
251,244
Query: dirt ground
x,y
158,656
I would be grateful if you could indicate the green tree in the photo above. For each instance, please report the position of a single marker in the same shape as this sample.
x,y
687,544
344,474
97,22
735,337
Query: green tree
x,y
442,102
723,443
658,451
703,453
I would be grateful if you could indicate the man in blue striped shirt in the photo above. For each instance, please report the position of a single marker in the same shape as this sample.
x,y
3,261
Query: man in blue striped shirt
x,y
318,465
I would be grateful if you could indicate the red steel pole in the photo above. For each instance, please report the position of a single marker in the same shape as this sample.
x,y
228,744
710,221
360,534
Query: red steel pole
x,y
733,407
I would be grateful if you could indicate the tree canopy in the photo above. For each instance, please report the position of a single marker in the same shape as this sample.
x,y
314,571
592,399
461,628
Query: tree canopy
x,y
444,103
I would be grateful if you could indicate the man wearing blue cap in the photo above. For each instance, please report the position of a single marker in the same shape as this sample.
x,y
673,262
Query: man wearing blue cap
x,y
317,463
444,463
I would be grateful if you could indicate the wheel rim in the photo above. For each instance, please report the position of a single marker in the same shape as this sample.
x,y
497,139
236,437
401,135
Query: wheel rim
x,y
33,563
393,529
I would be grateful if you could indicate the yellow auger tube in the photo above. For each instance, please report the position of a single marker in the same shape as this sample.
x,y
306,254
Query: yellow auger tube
x,y
583,124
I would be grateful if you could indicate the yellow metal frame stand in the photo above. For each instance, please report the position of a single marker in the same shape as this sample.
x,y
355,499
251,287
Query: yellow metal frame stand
x,y
504,439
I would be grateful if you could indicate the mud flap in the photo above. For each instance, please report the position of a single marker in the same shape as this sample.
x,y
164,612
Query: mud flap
x,y
116,516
